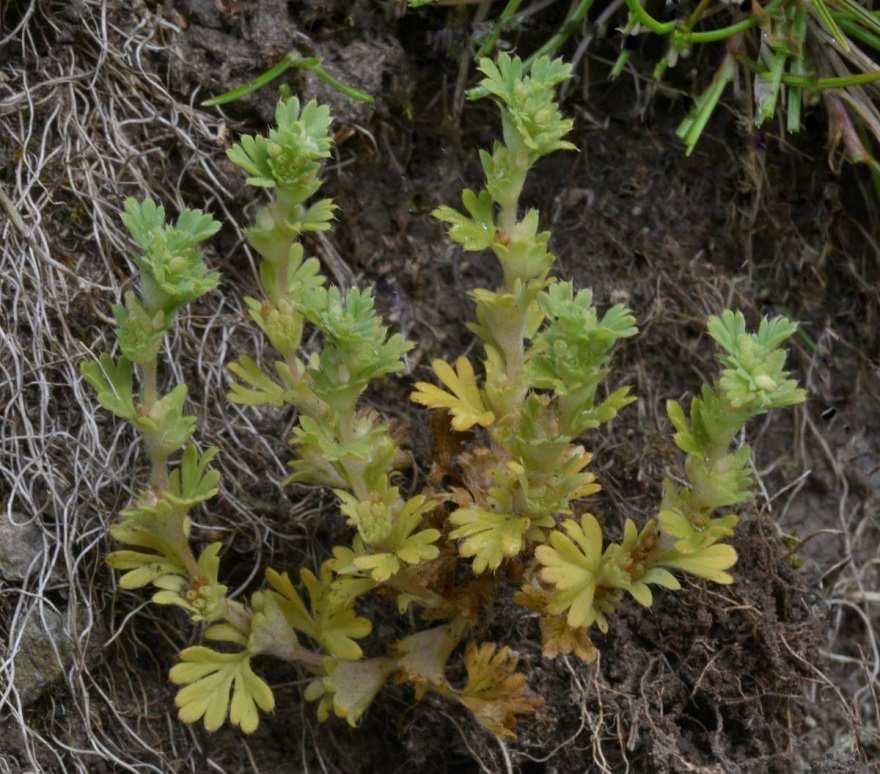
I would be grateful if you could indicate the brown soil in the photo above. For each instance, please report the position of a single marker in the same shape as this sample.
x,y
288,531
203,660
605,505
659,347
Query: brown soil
x,y
748,678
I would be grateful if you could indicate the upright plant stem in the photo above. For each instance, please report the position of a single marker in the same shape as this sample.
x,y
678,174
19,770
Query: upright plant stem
x,y
159,474
503,20
514,355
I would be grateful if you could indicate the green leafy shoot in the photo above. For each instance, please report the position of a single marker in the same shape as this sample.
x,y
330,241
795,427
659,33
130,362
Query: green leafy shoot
x,y
164,426
138,332
356,345
386,541
571,354
528,100
173,272
291,155
193,481
255,387
754,375
509,472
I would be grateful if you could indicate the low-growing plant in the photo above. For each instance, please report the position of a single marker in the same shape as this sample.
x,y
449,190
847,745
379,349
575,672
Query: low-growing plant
x,y
503,507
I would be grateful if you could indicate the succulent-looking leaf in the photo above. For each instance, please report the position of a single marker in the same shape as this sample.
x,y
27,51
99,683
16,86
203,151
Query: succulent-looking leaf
x,y
331,621
192,481
271,633
208,677
692,538
684,438
639,589
317,217
524,255
144,568
158,527
708,563
411,546
226,632
138,332
263,390
165,427
575,564
488,537
639,554
294,609
464,403
718,482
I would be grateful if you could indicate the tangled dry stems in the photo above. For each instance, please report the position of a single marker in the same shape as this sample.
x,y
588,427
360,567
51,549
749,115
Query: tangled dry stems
x,y
86,119
85,124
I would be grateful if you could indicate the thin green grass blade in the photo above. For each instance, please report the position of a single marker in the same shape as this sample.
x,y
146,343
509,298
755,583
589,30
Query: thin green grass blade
x,y
500,25
572,23
857,31
771,82
827,21
334,83
861,13
692,127
620,64
794,94
263,79
837,82
661,67
289,61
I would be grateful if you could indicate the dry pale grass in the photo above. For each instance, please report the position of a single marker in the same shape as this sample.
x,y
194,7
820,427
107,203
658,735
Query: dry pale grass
x,y
86,120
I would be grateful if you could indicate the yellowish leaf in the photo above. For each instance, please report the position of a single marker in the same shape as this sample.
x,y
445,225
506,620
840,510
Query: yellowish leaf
x,y
559,639
464,402
709,563
349,687
422,657
488,537
495,692
208,677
